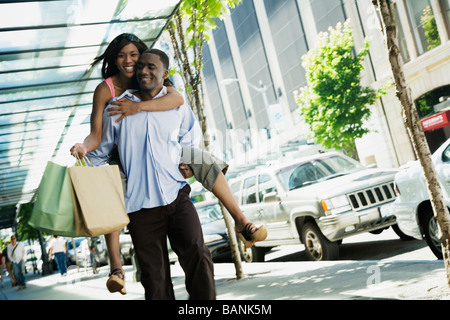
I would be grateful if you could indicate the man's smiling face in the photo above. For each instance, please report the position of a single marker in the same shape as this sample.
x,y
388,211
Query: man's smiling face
x,y
150,72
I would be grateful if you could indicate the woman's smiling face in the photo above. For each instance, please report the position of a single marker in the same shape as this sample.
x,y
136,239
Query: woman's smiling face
x,y
127,59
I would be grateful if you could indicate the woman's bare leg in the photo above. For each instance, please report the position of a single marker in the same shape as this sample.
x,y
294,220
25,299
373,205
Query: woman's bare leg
x,y
113,244
222,191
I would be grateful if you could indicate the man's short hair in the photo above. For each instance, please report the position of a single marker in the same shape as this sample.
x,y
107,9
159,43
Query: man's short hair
x,y
162,56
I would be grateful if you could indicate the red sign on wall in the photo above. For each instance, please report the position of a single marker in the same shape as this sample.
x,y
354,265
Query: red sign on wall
x,y
436,121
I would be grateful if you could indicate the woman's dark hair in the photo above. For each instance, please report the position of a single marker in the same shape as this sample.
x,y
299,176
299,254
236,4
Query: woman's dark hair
x,y
109,57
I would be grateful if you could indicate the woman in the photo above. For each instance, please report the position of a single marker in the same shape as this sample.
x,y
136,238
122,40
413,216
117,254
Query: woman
x,y
118,70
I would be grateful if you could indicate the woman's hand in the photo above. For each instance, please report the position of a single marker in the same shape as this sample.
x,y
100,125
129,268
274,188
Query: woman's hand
x,y
125,107
185,170
80,149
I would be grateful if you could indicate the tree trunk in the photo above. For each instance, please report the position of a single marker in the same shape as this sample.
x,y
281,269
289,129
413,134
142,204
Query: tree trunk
x,y
194,92
414,128
235,254
191,78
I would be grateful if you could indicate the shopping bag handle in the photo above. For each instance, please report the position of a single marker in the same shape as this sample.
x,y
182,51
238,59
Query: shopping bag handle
x,y
81,162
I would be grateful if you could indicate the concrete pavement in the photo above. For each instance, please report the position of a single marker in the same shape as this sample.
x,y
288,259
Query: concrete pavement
x,y
328,280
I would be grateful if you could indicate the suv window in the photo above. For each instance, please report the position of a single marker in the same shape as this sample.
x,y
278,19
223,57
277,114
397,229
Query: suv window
x,y
298,176
446,154
265,185
308,173
249,191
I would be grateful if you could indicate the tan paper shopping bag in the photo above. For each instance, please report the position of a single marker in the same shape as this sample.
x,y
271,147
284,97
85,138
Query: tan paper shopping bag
x,y
98,200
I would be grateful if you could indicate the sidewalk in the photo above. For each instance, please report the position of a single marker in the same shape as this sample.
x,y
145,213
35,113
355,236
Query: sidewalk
x,y
329,280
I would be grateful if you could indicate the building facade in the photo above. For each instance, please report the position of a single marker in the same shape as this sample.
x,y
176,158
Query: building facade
x,y
253,66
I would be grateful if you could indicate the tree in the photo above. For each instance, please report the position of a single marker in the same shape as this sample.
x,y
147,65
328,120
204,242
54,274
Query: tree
x,y
23,228
429,25
188,33
334,104
414,127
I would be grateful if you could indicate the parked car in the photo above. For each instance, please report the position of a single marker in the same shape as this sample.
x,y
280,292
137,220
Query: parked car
x,y
412,207
126,247
71,259
214,231
84,248
318,200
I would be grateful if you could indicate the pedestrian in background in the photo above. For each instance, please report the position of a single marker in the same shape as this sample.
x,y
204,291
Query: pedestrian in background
x,y
8,264
2,266
16,253
58,248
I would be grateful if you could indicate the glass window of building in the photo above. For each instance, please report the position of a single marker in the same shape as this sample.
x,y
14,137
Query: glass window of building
x,y
423,24
210,81
401,38
229,72
445,7
327,13
254,58
290,41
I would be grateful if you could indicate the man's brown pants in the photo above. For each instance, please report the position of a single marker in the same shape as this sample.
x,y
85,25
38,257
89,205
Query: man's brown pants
x,y
179,221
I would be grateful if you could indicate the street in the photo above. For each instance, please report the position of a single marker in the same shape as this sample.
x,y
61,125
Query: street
x,y
391,263
384,246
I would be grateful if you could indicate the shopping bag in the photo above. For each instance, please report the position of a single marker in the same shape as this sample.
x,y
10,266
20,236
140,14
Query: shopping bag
x,y
53,210
99,206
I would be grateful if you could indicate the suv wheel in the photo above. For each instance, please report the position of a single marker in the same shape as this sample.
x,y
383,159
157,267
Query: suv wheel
x,y
317,247
431,231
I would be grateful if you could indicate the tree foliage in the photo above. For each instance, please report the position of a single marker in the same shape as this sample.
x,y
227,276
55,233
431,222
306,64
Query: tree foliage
x,y
23,228
430,28
334,103
188,33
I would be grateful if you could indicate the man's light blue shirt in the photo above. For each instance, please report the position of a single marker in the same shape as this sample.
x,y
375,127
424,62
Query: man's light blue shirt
x,y
149,145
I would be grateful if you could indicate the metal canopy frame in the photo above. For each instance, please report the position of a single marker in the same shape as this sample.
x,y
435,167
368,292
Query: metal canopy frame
x,y
47,83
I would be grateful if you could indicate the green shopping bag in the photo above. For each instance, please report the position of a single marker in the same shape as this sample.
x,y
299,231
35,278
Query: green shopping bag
x,y
53,210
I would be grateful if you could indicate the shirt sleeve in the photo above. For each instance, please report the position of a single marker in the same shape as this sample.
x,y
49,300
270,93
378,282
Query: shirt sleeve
x,y
19,253
190,131
99,156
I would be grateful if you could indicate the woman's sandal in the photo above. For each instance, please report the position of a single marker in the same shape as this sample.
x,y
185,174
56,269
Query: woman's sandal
x,y
248,238
116,281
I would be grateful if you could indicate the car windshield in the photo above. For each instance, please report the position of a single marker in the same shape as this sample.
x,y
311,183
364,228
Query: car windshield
x,y
77,243
317,170
209,213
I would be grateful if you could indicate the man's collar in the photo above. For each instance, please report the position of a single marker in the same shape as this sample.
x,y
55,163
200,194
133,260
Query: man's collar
x,y
129,94
162,92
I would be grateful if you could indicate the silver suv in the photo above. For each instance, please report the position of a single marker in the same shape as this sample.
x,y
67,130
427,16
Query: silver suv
x,y
319,200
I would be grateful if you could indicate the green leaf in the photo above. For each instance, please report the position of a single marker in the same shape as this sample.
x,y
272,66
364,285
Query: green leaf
x,y
334,104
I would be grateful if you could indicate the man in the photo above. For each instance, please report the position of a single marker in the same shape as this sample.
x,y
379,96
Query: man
x,y
8,264
157,196
58,248
16,254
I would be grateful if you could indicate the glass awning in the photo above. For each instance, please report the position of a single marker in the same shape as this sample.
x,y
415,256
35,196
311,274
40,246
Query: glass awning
x,y
46,83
